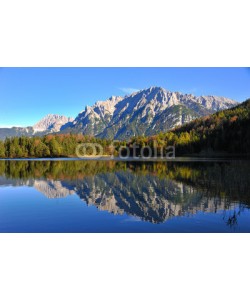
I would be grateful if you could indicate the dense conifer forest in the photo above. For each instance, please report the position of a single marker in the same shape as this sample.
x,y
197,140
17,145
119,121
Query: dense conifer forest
x,y
63,145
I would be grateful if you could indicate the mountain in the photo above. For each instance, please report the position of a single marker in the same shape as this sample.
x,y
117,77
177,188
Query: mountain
x,y
49,124
16,131
145,112
94,119
224,132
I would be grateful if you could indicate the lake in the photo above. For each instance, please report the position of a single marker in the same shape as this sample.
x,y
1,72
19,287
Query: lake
x,y
124,196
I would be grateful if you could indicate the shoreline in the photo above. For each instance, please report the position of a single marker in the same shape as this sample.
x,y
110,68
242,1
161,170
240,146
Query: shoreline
x,y
135,159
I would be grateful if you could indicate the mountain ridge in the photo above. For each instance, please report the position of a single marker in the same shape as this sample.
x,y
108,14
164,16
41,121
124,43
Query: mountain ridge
x,y
139,112
144,112
51,123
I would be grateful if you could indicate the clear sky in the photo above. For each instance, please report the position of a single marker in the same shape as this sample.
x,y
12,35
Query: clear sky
x,y
28,94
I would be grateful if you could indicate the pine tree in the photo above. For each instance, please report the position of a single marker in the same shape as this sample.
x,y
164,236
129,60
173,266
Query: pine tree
x,y
55,148
41,150
2,150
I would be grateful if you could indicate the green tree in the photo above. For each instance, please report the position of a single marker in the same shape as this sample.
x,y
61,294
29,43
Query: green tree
x,y
2,150
41,150
55,148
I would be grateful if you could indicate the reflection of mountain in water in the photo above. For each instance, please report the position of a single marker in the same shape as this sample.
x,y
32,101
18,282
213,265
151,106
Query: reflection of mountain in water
x,y
52,189
147,197
152,192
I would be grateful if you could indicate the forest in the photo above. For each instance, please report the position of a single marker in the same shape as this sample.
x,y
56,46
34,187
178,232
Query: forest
x,y
61,145
227,131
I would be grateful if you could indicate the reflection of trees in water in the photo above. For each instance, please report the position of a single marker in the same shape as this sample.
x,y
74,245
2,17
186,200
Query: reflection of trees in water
x,y
151,191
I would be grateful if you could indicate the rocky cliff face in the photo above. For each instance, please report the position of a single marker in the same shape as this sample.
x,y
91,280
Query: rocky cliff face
x,y
94,119
51,123
145,112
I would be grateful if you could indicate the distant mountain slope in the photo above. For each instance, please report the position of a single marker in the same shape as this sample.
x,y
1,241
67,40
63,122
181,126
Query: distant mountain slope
x,y
237,114
145,112
15,131
49,124
226,131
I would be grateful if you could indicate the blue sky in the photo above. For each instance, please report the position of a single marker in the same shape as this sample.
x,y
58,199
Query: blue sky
x,y
28,94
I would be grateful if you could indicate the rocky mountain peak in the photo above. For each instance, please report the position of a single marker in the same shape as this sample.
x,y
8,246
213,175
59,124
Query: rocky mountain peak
x,y
147,111
51,123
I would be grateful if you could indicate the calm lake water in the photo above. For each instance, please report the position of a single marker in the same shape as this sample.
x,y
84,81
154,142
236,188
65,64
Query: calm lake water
x,y
118,196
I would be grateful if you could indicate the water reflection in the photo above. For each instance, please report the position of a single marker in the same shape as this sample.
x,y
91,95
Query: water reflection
x,y
153,192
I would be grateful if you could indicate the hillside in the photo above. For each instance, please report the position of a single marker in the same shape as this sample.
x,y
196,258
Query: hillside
x,y
227,131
